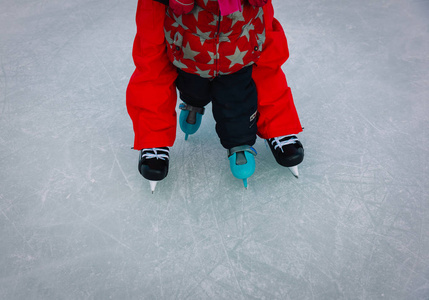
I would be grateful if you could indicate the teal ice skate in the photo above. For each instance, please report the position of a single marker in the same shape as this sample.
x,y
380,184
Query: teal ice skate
x,y
242,162
190,118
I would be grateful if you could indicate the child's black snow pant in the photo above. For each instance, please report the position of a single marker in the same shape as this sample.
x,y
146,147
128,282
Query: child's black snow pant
x,y
234,103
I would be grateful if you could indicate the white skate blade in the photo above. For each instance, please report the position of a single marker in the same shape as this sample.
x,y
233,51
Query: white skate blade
x,y
153,185
294,171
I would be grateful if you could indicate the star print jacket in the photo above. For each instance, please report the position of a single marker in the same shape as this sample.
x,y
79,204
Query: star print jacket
x,y
151,94
205,43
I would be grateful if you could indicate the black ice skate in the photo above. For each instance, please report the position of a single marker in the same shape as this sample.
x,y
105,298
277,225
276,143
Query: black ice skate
x,y
153,164
288,152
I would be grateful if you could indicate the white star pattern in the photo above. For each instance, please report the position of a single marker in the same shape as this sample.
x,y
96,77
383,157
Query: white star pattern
x,y
224,37
237,57
261,39
203,73
179,21
246,31
178,39
188,53
213,56
235,17
261,15
168,36
203,54
214,22
261,36
196,12
224,73
179,64
203,35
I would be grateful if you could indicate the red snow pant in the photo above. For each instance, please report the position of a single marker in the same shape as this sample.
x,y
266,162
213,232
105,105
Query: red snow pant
x,y
151,93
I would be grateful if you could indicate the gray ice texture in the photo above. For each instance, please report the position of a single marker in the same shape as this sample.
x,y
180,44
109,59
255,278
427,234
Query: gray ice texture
x,y
77,220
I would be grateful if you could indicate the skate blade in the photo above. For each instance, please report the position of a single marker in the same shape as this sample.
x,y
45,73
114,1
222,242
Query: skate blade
x,y
294,171
245,183
186,136
153,185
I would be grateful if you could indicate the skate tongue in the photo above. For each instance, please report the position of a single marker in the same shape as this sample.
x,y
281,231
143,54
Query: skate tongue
x,y
240,159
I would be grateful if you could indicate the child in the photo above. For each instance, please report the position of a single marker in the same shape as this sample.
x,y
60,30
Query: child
x,y
228,52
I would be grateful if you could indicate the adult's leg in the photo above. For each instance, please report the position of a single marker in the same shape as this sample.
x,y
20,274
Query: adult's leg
x,y
151,93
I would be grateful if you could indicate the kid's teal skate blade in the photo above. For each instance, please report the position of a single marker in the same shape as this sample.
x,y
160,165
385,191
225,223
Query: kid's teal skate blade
x,y
245,183
186,136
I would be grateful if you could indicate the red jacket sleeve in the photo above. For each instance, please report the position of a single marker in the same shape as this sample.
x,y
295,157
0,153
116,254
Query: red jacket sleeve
x,y
151,93
277,112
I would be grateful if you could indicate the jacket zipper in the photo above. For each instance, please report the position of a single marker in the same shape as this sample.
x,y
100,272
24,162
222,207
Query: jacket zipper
x,y
217,42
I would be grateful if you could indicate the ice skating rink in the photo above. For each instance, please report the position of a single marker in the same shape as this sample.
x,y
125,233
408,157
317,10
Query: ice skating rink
x,y
77,221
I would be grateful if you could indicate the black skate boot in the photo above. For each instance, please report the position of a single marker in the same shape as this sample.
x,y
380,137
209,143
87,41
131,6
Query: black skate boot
x,y
288,151
153,164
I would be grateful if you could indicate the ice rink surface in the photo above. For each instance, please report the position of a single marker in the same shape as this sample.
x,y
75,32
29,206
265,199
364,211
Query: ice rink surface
x,y
77,221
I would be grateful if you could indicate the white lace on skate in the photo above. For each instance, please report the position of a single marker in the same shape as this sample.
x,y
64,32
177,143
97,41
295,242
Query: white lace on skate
x,y
157,153
280,141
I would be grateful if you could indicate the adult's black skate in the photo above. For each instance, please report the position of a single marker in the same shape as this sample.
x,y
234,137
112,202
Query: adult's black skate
x,y
153,164
288,152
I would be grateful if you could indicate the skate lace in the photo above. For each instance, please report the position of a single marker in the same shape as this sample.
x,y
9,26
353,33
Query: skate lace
x,y
280,141
154,153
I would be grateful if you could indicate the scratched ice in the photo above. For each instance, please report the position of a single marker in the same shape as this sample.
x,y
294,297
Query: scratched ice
x,y
77,221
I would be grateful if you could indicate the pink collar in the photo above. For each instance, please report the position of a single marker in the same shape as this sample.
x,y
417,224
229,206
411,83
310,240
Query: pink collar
x,y
229,6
